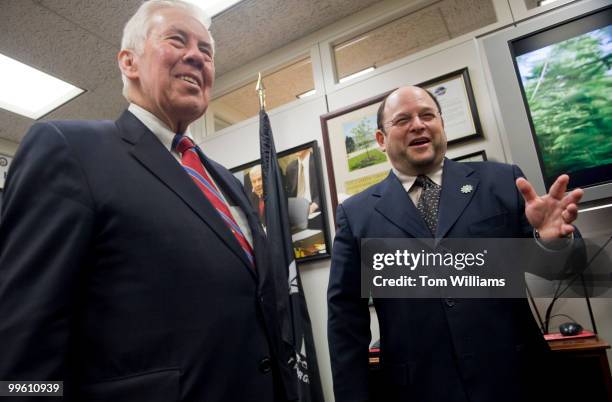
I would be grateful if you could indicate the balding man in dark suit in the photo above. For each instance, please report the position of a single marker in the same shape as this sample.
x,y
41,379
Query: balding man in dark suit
x,y
436,350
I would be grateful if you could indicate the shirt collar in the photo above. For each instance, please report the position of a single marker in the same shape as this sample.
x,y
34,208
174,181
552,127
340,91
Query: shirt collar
x,y
157,127
306,160
408,180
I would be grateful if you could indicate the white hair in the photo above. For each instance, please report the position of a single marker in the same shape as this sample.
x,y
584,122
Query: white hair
x,y
255,170
137,28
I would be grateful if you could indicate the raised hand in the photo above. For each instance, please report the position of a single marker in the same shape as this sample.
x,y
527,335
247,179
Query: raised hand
x,y
551,214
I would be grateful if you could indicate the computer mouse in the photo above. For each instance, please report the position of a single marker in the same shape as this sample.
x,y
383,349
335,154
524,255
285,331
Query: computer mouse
x,y
570,328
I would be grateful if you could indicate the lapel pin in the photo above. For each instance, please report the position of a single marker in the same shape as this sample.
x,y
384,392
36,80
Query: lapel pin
x,y
467,188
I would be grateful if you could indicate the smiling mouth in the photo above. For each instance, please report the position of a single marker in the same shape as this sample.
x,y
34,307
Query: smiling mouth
x,y
189,79
419,141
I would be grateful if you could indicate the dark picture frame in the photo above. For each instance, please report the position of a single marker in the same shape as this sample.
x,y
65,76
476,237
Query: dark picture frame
x,y
5,163
307,215
479,156
459,110
352,156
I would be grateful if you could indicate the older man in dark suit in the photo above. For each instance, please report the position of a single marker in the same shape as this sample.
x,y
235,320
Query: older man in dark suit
x,y
301,180
256,196
436,350
132,267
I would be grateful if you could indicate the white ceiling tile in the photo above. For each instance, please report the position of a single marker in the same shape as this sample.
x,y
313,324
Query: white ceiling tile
x,y
45,40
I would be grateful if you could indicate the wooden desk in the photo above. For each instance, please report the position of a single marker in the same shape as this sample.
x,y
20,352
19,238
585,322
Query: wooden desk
x,y
581,369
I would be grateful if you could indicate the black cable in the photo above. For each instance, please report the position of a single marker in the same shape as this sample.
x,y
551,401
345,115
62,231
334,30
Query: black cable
x,y
588,302
562,315
558,294
602,248
531,299
549,309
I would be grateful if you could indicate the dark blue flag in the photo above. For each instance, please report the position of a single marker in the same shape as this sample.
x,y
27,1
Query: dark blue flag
x,y
296,327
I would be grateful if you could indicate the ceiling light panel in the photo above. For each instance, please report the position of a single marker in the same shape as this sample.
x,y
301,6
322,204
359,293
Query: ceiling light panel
x,y
214,7
30,92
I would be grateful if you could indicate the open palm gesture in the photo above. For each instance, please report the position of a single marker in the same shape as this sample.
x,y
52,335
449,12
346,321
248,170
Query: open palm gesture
x,y
551,214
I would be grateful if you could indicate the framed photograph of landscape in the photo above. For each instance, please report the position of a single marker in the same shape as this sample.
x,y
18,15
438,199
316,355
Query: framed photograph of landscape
x,y
301,172
354,161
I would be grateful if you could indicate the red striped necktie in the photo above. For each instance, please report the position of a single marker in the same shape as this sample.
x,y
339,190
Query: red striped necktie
x,y
193,165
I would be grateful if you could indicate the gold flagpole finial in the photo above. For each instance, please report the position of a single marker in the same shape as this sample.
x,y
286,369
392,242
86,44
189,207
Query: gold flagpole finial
x,y
261,91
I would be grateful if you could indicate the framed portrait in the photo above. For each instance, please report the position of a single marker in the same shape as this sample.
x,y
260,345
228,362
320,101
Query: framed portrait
x,y
301,172
479,156
354,161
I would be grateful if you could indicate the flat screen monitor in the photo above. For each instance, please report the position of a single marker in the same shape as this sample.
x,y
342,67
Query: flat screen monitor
x,y
566,82
552,78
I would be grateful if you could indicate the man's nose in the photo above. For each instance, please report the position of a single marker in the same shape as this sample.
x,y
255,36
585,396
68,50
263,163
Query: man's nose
x,y
416,124
194,56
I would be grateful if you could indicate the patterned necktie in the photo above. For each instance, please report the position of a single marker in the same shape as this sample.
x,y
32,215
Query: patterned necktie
x,y
193,165
428,202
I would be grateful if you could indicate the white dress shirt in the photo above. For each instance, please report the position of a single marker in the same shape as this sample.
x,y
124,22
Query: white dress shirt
x,y
165,136
414,192
304,165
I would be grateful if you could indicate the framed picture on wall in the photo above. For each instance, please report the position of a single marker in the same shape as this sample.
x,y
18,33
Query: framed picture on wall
x,y
456,97
5,163
479,156
354,161
303,182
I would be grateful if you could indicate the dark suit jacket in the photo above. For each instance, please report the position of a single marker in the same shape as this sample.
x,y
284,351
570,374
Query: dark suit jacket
x,y
291,180
120,278
433,350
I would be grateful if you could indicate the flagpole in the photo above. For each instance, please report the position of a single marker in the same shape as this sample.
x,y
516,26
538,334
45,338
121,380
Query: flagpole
x,y
295,326
261,91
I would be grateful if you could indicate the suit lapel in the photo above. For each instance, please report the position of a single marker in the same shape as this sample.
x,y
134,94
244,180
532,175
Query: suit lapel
x,y
459,183
227,181
147,149
398,208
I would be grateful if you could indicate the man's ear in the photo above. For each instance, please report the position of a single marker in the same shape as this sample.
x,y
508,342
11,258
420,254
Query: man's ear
x,y
127,63
380,138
